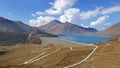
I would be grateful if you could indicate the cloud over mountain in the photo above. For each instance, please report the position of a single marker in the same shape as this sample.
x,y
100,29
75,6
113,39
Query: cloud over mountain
x,y
64,11
41,20
70,15
59,6
99,21
111,10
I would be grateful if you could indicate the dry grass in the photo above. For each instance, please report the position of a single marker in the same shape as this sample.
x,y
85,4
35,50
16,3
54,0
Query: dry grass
x,y
19,54
106,56
74,57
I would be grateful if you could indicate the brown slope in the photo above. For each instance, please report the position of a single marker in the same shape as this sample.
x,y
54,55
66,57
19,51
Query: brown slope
x,y
58,28
13,32
15,26
9,26
113,30
25,27
106,56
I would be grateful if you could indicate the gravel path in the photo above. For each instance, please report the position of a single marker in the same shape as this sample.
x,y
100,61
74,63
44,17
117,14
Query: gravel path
x,y
31,60
38,57
83,59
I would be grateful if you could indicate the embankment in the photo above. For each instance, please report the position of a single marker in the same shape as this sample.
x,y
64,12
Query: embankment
x,y
56,41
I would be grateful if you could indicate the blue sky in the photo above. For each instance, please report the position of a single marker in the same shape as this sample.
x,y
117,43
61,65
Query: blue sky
x,y
99,14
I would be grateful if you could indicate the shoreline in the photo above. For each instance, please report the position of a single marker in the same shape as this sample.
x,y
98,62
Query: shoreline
x,y
57,41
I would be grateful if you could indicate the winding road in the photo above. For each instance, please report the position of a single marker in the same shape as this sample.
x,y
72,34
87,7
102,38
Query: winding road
x,y
37,57
83,59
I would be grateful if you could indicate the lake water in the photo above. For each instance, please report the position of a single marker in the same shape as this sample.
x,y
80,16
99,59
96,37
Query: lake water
x,y
86,39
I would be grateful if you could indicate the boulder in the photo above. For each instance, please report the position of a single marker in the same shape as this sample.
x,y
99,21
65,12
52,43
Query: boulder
x,y
34,39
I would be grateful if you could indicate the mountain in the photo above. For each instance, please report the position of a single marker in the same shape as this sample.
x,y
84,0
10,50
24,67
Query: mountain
x,y
58,28
111,31
15,26
13,32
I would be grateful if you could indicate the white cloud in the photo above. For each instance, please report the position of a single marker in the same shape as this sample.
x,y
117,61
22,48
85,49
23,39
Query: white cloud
x,y
63,18
59,6
33,15
111,10
63,10
40,13
84,26
90,13
98,21
40,21
70,15
37,14
33,22
74,15
52,11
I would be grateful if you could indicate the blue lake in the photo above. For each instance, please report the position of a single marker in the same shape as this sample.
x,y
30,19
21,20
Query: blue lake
x,y
86,39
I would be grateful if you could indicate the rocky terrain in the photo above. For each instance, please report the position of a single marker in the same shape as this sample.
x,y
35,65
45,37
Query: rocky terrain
x,y
13,32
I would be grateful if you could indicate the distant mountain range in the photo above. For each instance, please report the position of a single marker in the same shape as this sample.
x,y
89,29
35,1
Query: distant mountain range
x,y
58,28
18,27
13,32
111,31
55,27
15,26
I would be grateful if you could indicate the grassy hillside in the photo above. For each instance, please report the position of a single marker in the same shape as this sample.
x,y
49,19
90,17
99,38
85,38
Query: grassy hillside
x,y
19,54
24,56
106,56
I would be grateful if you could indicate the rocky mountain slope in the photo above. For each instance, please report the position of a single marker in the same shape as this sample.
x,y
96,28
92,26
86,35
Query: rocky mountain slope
x,y
111,31
13,32
58,28
15,26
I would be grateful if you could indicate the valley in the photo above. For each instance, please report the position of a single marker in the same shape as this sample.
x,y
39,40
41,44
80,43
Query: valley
x,y
36,56
36,45
57,56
